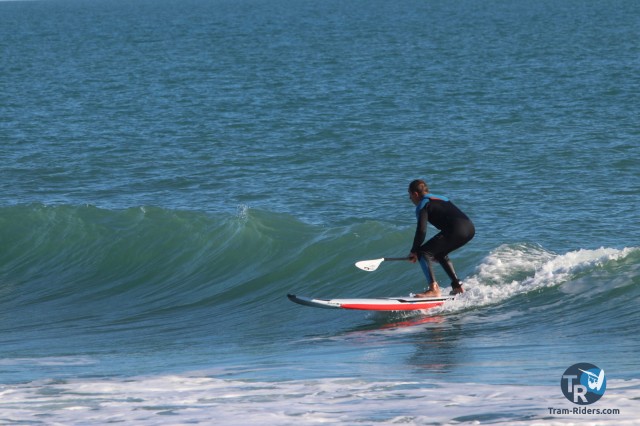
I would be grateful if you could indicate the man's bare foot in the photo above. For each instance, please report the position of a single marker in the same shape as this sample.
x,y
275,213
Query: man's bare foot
x,y
434,291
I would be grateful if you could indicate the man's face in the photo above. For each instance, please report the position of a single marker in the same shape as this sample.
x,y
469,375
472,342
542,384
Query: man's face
x,y
415,198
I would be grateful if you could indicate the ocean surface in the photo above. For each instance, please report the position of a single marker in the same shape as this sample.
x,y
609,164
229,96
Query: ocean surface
x,y
172,169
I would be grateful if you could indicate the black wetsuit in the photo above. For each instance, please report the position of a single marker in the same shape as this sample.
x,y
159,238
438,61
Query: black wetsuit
x,y
456,229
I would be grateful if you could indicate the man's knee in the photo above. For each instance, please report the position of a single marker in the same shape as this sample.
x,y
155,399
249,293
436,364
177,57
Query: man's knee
x,y
442,258
429,256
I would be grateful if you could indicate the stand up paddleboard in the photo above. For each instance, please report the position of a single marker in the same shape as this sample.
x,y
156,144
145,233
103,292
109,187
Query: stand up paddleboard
x,y
374,304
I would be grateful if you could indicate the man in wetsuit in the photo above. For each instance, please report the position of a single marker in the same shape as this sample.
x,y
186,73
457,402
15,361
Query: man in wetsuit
x,y
456,229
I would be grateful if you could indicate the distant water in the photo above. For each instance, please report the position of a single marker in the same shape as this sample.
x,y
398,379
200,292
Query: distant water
x,y
172,169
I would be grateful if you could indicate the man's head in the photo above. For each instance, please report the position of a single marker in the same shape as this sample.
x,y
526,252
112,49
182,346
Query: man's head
x,y
417,189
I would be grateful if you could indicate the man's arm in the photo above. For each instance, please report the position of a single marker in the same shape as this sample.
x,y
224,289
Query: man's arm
x,y
421,230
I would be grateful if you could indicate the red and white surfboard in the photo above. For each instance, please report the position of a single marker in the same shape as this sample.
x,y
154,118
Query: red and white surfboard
x,y
374,304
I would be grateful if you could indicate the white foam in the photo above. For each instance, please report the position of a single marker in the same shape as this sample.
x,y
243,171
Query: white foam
x,y
513,270
202,399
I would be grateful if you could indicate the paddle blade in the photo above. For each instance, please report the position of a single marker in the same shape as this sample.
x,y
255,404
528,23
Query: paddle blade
x,y
369,265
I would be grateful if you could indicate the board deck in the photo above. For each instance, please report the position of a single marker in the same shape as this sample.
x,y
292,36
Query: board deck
x,y
374,304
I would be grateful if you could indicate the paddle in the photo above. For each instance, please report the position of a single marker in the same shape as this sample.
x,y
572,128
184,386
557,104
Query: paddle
x,y
372,265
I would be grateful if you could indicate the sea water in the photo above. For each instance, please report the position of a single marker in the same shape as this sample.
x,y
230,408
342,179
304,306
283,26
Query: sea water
x,y
172,169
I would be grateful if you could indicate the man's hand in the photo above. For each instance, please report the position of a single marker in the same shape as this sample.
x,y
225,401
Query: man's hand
x,y
413,258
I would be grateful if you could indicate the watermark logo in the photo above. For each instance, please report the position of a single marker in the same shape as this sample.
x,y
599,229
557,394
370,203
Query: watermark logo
x,y
583,383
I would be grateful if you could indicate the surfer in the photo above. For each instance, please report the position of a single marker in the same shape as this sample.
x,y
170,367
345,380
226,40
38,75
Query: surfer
x,y
456,229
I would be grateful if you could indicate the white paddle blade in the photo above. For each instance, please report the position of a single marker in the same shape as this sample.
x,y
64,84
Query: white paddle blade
x,y
369,265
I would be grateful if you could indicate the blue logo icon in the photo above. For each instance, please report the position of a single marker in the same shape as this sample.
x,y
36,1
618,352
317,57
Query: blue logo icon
x,y
583,383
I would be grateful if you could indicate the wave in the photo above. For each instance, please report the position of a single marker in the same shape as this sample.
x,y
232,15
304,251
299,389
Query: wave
x,y
109,270
519,269
61,264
